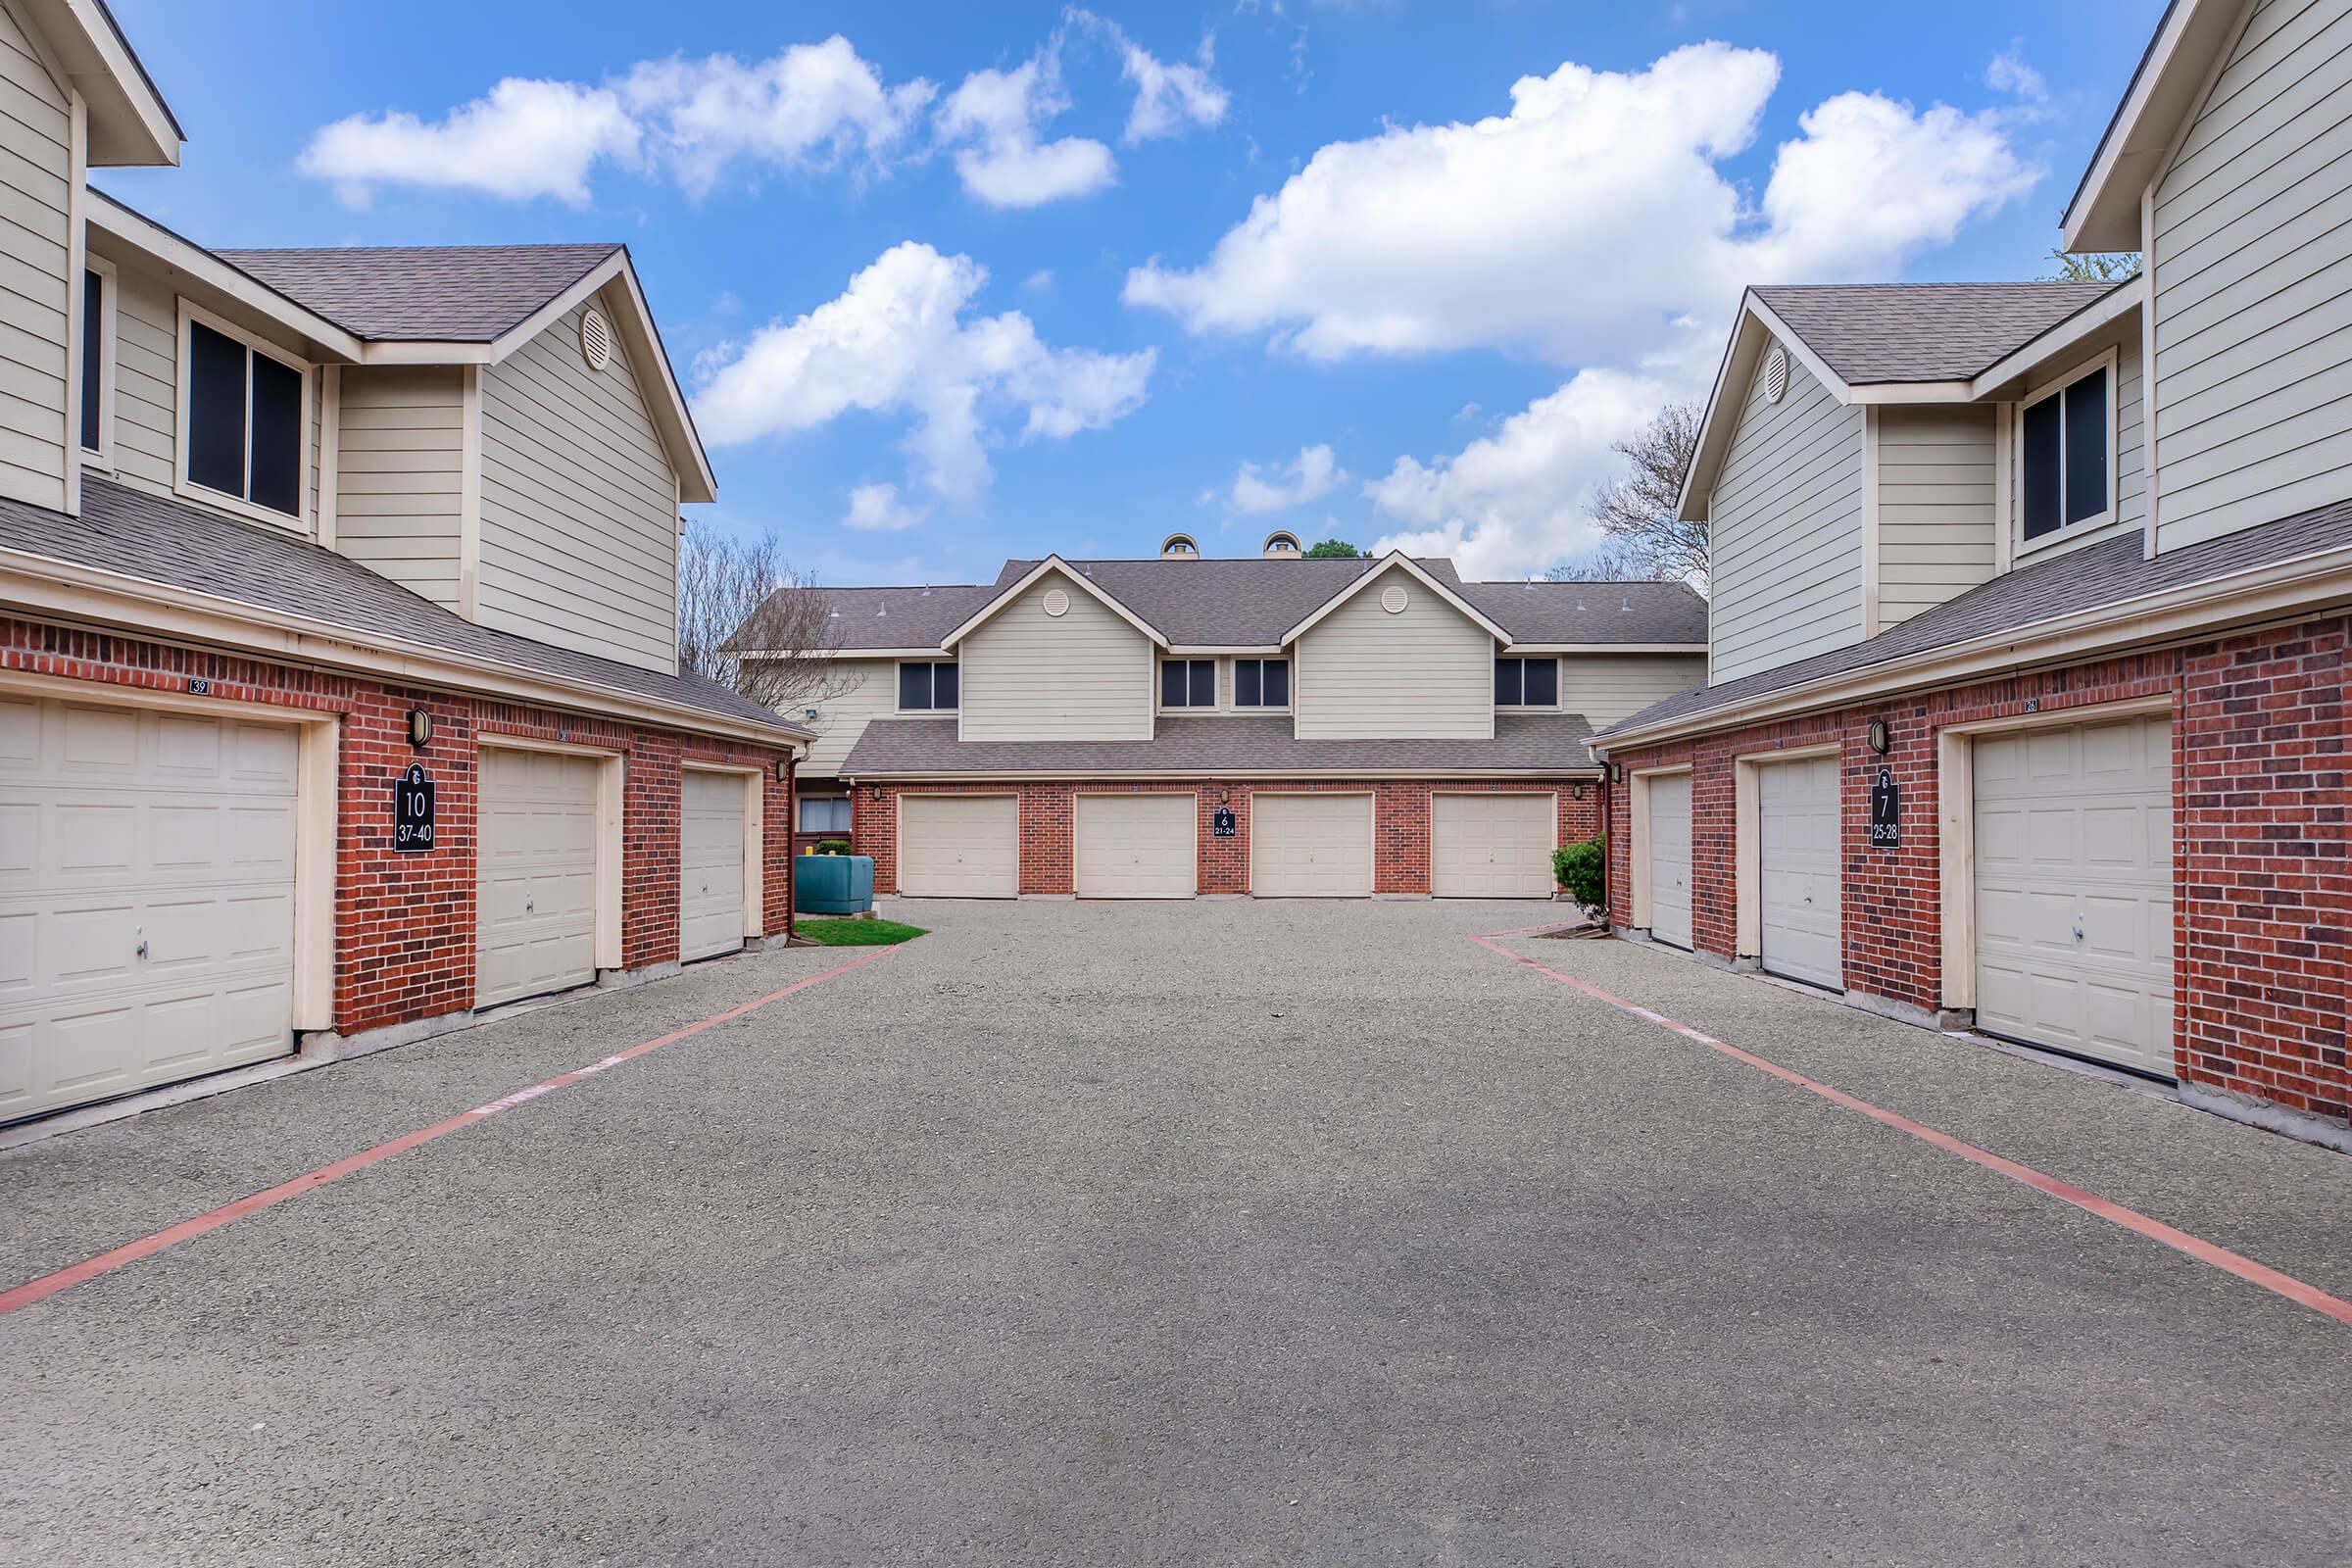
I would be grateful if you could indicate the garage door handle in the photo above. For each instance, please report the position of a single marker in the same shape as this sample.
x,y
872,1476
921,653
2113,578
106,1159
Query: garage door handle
x,y
2078,928
142,950
530,905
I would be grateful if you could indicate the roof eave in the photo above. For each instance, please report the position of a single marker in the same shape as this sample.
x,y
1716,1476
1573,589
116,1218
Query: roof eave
x,y
2191,45
129,123
2095,317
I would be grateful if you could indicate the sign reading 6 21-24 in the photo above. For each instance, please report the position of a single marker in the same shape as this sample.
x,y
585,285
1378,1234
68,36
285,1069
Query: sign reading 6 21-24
x,y
413,812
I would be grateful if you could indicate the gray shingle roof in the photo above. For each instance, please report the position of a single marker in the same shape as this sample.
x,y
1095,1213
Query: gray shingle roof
x,y
1531,743
428,293
1250,603
1880,332
144,536
2104,574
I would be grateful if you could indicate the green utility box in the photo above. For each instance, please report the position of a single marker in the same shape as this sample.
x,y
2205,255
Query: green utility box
x,y
832,884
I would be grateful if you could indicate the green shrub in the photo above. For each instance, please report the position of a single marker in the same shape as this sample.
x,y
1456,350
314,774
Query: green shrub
x,y
1583,870
832,846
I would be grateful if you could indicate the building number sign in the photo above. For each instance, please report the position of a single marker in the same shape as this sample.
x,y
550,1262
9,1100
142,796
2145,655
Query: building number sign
x,y
1220,825
413,812
1886,813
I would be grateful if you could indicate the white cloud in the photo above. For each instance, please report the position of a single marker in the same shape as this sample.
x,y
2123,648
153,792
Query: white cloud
x,y
877,507
898,341
1308,477
523,140
1169,99
2009,73
1587,219
1512,502
994,120
809,105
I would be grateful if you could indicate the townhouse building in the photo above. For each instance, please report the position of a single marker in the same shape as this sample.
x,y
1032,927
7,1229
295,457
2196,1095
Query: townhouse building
x,y
2025,694
1276,726
338,683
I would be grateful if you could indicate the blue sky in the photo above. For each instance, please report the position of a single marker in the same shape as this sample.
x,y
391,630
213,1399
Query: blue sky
x,y
953,283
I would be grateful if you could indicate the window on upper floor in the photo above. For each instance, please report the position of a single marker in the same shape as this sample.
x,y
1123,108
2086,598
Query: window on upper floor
x,y
1527,683
1188,683
245,419
927,687
1262,683
2067,448
824,814
97,361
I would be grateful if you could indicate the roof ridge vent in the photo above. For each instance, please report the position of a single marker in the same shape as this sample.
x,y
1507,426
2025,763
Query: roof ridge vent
x,y
1625,603
882,613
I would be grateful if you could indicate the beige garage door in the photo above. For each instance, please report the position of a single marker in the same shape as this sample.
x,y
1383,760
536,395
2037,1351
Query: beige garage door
x,y
535,929
1492,846
709,864
1310,846
1670,858
1136,845
959,845
146,899
2074,831
1798,879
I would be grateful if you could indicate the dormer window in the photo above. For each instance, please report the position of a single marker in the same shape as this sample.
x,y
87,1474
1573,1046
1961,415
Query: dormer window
x,y
2067,441
1188,683
928,687
1262,683
1527,683
245,414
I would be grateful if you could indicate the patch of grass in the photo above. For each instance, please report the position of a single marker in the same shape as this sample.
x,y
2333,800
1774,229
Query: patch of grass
x,y
856,933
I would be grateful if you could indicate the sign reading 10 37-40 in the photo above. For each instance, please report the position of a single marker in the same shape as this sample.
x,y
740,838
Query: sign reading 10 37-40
x,y
413,812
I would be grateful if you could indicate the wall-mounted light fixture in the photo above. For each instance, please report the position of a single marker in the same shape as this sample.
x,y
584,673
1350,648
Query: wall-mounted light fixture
x,y
1879,738
421,727
783,771
1577,789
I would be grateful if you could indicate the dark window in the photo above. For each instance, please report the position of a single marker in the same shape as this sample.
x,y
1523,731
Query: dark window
x,y
824,814
1543,682
1510,682
1527,682
244,422
1262,683
93,356
924,688
1188,683
2066,457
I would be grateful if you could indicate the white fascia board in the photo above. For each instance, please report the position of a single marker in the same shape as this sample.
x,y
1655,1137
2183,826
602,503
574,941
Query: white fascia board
x,y
2283,588
129,123
2064,338
1714,437
1197,775
1787,334
1052,563
1608,648
201,267
932,652
2169,86
1396,559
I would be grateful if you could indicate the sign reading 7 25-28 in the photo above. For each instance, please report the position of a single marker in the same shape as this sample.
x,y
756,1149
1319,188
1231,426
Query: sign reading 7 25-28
x,y
413,812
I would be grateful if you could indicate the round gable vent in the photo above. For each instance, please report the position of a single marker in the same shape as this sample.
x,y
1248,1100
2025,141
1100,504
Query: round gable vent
x,y
1392,599
1776,373
1057,602
596,338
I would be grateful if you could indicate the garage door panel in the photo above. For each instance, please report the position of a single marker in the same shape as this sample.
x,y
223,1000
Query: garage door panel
x,y
1310,846
1139,845
535,895
711,879
1800,872
1670,858
1492,846
959,845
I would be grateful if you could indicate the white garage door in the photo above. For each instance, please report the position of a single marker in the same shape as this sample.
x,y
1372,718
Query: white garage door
x,y
959,845
1492,846
1670,858
2075,888
146,899
1798,879
535,922
709,864
1310,846
1136,845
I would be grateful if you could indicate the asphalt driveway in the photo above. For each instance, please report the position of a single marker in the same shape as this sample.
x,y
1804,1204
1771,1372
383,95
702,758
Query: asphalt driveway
x,y
1222,1232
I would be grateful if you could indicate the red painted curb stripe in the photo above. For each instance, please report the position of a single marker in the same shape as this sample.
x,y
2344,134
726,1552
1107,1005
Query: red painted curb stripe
x,y
2204,1252
107,1262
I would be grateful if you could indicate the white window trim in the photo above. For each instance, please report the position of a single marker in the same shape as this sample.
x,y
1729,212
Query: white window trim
x,y
897,685
2019,546
101,457
1290,687
1219,688
182,484
1552,706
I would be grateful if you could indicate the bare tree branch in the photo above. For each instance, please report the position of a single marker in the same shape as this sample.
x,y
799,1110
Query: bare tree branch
x,y
1637,512
1613,561
740,597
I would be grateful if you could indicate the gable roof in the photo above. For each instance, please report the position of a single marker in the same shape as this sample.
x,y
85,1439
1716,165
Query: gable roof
x,y
1051,565
424,293
129,123
862,619
1398,560
2193,41
1876,334
1589,614
130,534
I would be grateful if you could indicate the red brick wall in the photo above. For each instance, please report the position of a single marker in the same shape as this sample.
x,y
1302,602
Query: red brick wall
x,y
1401,824
403,923
2262,898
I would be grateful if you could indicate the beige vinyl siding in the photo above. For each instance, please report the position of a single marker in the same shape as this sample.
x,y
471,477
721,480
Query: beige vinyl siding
x,y
580,504
1083,675
1936,537
1785,530
871,691
1608,687
1361,674
400,493
2131,452
2253,303
36,168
